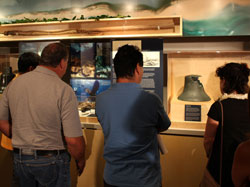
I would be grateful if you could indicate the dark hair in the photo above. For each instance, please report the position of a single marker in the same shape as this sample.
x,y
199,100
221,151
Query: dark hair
x,y
235,76
26,60
53,53
126,60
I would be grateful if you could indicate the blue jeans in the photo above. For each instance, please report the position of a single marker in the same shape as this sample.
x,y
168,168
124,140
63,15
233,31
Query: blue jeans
x,y
42,171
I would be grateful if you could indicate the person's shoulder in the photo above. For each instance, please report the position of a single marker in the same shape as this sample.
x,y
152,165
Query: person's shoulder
x,y
242,152
18,78
105,93
61,85
151,96
66,86
215,107
31,75
244,148
216,104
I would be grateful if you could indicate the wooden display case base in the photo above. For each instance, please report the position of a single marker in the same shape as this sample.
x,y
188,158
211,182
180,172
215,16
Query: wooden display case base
x,y
89,120
187,125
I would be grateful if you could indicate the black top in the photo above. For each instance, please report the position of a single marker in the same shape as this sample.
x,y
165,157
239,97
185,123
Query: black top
x,y
236,125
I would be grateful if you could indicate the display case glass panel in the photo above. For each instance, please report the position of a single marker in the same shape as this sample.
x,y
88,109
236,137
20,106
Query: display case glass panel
x,y
90,73
201,60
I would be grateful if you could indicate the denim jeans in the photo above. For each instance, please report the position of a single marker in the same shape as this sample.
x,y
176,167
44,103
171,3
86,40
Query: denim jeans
x,y
42,171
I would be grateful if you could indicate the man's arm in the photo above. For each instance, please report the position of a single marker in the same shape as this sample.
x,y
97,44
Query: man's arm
x,y
163,122
5,127
5,119
76,147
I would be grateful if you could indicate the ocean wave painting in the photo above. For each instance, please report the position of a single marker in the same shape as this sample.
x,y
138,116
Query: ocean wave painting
x,y
232,20
200,18
10,7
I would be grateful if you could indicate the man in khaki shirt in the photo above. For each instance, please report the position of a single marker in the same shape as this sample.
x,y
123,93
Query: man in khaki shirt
x,y
45,122
26,62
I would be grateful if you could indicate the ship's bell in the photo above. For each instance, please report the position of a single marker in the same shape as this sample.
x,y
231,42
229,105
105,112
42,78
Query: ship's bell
x,y
193,90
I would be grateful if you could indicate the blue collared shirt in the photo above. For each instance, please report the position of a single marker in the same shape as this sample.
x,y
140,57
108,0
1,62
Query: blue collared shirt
x,y
131,119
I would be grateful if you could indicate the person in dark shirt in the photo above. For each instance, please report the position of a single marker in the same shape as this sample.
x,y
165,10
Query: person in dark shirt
x,y
234,88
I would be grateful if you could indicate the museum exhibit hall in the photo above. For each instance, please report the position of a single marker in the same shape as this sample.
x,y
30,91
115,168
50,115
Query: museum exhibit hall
x,y
183,43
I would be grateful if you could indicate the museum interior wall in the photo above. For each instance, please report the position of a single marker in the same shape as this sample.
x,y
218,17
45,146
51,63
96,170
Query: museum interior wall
x,y
207,35
185,161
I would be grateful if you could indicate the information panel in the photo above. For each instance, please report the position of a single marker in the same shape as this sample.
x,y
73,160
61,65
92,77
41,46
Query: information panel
x,y
192,112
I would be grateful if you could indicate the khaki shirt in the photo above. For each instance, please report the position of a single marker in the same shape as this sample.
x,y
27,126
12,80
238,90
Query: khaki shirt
x,y
5,141
43,110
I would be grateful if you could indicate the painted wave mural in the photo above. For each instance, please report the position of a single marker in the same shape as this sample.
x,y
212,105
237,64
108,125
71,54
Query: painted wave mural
x,y
232,20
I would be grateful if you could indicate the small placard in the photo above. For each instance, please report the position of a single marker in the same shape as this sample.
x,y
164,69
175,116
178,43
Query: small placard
x,y
192,112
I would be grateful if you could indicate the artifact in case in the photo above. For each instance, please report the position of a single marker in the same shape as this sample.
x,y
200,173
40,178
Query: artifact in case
x,y
204,63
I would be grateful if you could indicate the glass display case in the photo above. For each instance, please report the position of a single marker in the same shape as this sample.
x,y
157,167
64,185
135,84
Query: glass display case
x,y
8,65
89,42
198,59
181,57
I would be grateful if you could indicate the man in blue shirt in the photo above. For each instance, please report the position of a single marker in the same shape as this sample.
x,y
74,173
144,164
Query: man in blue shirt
x,y
131,118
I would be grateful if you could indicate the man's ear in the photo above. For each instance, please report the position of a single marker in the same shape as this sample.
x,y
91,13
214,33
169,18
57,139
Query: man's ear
x,y
30,68
137,69
62,64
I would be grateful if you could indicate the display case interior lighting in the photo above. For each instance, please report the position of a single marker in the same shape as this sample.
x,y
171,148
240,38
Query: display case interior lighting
x,y
77,10
204,47
2,16
130,7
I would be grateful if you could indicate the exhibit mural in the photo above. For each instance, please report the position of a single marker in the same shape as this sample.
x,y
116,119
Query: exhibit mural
x,y
200,18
